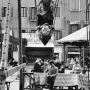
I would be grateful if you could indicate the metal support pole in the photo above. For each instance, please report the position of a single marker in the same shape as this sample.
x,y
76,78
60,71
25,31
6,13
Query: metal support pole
x,y
83,61
88,33
1,35
20,45
64,54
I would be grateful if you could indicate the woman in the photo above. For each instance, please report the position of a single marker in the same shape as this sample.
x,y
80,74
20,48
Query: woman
x,y
76,68
45,12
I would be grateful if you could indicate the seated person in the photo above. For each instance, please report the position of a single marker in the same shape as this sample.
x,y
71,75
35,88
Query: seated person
x,y
76,68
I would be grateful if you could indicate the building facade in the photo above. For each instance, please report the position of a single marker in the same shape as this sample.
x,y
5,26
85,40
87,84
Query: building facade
x,y
70,16
29,21
74,13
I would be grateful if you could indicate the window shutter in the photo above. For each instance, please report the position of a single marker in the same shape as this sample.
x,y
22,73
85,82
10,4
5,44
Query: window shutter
x,y
2,11
57,12
26,11
12,12
30,13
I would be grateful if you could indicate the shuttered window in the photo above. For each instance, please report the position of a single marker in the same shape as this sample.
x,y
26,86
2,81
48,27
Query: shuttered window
x,y
74,27
3,11
23,11
57,34
33,13
75,5
57,12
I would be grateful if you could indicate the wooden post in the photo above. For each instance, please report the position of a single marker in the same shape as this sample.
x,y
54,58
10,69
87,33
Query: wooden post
x,y
1,35
83,61
20,45
64,54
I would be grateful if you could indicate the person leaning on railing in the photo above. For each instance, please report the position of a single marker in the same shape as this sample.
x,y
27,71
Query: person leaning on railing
x,y
52,72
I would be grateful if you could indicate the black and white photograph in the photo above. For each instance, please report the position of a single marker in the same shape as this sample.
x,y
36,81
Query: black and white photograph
x,y
44,45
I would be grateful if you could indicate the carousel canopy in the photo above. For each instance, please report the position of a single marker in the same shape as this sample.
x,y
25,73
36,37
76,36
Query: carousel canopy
x,y
78,36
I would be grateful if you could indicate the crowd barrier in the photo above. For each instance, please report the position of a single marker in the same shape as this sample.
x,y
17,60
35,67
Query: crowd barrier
x,y
80,80
62,80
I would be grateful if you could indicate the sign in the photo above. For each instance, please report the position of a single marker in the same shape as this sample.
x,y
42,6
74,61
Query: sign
x,y
32,38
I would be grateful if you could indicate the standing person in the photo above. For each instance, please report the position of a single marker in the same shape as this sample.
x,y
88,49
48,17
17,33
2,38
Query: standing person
x,y
45,12
45,66
52,73
24,59
38,66
57,62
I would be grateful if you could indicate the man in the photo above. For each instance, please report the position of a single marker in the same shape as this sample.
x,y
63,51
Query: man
x,y
52,73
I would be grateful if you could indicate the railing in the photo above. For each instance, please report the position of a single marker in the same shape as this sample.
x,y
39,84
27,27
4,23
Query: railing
x,y
6,73
34,80
28,80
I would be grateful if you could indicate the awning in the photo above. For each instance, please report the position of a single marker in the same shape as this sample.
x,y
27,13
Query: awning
x,y
80,35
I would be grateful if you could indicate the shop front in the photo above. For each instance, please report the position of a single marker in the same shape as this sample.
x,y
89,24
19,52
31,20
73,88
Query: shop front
x,y
36,49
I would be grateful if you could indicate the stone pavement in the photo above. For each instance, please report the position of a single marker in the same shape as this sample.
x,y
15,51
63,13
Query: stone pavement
x,y
15,84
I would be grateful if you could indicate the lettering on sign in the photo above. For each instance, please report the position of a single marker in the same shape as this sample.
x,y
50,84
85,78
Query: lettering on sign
x,y
33,38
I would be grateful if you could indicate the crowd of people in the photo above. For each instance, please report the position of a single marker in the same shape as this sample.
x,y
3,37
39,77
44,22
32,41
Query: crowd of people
x,y
48,67
75,65
41,66
53,67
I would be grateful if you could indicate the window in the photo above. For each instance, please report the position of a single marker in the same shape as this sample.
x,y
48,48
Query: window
x,y
23,11
75,5
33,13
3,11
57,12
57,34
23,31
33,31
74,27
